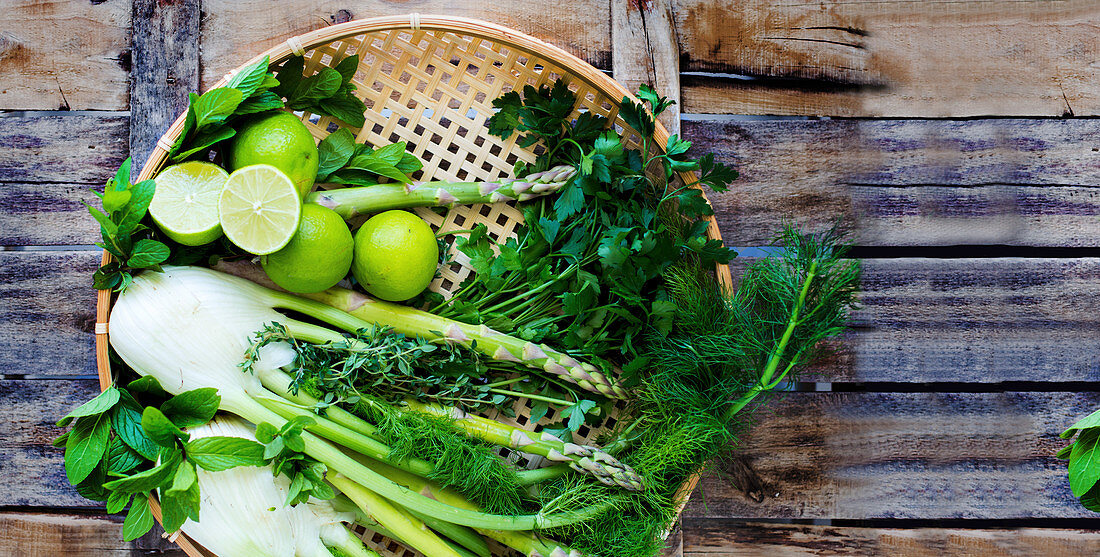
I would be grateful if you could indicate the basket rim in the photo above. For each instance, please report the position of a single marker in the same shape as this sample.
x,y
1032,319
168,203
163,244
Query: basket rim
x,y
299,44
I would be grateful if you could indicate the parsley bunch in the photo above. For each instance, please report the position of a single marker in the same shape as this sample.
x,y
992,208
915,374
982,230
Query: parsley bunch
x,y
584,271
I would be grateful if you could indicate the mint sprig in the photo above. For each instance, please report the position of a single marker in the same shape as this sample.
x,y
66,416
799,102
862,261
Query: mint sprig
x,y
124,236
329,91
343,161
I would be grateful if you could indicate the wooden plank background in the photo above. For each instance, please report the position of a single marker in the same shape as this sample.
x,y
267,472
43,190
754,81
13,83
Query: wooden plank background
x,y
956,140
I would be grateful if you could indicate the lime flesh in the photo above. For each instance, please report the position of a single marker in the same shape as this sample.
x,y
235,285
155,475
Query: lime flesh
x,y
185,202
259,209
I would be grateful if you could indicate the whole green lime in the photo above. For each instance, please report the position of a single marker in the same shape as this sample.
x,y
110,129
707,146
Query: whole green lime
x,y
317,256
281,140
395,255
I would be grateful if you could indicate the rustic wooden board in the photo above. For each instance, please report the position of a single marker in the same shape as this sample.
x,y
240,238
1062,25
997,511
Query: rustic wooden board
x,y
62,147
46,214
910,182
64,55
842,58
165,69
47,307
235,30
717,538
900,455
35,534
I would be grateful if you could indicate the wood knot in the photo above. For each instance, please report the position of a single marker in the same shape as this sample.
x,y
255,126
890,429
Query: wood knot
x,y
9,45
342,16
640,5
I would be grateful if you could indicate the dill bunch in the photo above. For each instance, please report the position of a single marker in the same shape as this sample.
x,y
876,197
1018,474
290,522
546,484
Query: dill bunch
x,y
723,351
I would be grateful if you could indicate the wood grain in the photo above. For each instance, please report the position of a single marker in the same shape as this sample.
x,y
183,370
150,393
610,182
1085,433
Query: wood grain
x,y
235,30
165,69
47,307
909,182
62,147
900,455
46,214
645,51
64,55
894,58
718,538
37,534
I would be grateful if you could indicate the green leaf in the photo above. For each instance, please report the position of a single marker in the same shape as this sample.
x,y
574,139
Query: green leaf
x,y
121,458
346,108
92,486
570,201
101,403
676,146
266,432
121,179
1084,462
1091,500
86,446
409,163
315,87
222,453
127,424
391,154
148,253
1092,420
549,229
177,505
334,152
192,408
215,105
184,478
105,223
160,429
117,501
663,314
141,194
139,520
148,480
113,199
106,278
147,385
205,140
576,413
259,102
249,79
290,76
375,166
346,68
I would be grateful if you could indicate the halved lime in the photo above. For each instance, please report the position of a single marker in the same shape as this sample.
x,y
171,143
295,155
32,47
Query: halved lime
x,y
185,203
259,209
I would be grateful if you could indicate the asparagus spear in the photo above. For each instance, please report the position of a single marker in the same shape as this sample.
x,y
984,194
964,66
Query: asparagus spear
x,y
351,311
349,202
585,459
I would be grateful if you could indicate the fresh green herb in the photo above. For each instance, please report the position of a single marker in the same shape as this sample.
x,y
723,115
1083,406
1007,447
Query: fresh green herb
x,y
329,91
283,449
1084,460
120,452
124,236
584,273
343,161
211,116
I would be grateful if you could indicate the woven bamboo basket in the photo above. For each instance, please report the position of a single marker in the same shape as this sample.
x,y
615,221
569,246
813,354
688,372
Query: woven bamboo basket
x,y
430,80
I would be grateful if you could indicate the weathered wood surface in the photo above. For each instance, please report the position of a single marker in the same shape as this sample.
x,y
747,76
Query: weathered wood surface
x,y
644,50
62,147
900,455
64,55
893,58
716,538
48,164
910,182
234,30
47,308
34,534
165,68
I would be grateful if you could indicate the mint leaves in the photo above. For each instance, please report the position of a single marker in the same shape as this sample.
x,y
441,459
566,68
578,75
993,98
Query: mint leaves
x,y
343,161
283,449
1084,460
328,92
124,206
111,453
209,119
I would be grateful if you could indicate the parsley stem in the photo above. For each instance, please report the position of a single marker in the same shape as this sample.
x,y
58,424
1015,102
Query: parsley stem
x,y
518,394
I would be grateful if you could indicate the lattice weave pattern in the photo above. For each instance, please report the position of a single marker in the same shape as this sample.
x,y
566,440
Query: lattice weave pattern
x,y
435,89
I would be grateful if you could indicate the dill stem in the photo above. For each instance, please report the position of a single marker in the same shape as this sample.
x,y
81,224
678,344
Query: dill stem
x,y
569,270
776,356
